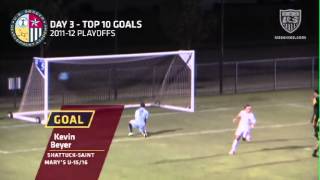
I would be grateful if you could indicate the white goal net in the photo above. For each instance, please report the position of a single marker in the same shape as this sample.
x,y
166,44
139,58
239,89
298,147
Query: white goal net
x,y
162,79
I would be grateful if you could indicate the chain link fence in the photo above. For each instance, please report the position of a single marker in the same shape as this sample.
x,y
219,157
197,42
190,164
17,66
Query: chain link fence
x,y
258,75
238,76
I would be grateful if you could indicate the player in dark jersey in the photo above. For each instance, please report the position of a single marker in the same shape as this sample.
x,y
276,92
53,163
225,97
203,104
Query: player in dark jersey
x,y
315,118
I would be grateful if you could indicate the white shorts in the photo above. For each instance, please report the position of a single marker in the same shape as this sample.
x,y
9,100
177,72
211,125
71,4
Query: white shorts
x,y
244,133
136,125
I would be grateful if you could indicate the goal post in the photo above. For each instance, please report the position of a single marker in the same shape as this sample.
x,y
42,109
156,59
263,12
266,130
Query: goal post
x,y
160,79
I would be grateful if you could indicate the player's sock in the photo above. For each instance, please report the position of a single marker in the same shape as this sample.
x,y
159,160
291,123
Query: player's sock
x,y
234,145
130,128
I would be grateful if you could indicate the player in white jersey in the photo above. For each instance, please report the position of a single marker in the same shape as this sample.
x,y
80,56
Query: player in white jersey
x,y
139,122
246,121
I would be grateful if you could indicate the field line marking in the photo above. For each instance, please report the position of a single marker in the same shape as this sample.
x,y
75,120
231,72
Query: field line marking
x,y
297,105
215,131
4,152
171,113
16,126
221,109
22,150
195,133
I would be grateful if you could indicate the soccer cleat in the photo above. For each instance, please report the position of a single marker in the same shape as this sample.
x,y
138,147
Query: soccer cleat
x,y
130,134
232,153
314,154
145,135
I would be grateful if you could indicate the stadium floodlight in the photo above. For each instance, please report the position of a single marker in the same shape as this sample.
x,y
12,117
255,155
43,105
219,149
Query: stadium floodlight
x,y
160,79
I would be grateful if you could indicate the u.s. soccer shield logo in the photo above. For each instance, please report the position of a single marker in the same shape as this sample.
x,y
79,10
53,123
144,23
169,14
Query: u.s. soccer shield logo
x,y
290,19
28,28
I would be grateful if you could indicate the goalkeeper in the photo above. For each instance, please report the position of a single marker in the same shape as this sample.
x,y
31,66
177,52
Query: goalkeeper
x,y
140,122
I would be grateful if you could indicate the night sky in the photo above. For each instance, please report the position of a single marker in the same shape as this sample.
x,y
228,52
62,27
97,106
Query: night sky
x,y
248,29
167,25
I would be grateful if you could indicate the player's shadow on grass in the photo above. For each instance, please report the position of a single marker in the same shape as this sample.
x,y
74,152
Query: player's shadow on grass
x,y
281,148
166,161
3,117
152,133
275,140
273,163
165,131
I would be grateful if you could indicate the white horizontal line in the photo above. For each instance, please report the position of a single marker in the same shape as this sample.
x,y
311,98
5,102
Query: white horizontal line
x,y
16,126
295,105
22,150
214,131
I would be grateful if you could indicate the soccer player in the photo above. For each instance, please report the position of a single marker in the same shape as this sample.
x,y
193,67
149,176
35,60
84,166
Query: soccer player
x,y
246,121
140,122
315,118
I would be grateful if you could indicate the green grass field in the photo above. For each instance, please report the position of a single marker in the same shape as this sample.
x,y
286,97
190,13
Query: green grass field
x,y
190,145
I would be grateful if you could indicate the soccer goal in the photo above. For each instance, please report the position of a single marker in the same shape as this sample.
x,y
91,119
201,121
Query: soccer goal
x,y
160,79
